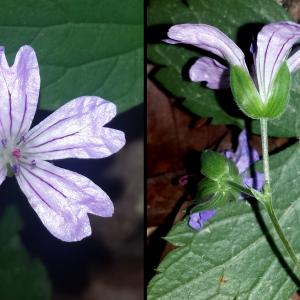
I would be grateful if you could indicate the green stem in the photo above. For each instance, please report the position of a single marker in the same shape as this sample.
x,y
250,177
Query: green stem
x,y
280,233
265,151
240,188
268,195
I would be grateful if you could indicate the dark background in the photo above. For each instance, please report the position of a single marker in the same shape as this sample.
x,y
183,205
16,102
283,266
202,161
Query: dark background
x,y
109,264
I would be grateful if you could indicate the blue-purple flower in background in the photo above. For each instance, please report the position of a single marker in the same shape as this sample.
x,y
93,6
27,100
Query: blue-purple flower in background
x,y
243,157
61,198
197,220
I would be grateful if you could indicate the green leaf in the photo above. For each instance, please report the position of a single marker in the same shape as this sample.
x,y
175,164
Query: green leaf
x,y
175,59
231,258
21,276
83,47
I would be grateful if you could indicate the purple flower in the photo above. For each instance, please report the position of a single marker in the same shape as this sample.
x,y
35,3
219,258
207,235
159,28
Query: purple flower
x,y
197,220
243,157
184,180
272,48
61,198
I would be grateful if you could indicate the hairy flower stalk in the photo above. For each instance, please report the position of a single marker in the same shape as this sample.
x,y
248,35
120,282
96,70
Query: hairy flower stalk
x,y
61,198
262,93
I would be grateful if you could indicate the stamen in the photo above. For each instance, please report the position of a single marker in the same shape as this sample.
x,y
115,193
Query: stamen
x,y
16,169
4,143
33,164
22,139
16,153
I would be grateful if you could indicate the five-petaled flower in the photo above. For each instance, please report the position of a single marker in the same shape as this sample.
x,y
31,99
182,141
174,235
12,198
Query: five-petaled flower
x,y
271,51
61,198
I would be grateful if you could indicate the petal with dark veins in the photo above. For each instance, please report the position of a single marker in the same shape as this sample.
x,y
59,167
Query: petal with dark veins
x,y
274,42
62,199
19,92
209,70
76,130
210,39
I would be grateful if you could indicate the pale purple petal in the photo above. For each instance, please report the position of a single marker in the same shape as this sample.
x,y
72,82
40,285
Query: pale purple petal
x,y
211,71
256,182
208,38
274,42
170,41
194,221
259,181
198,219
293,62
62,199
244,155
76,130
19,92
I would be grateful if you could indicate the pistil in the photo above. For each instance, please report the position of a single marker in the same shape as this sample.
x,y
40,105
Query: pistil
x,y
16,153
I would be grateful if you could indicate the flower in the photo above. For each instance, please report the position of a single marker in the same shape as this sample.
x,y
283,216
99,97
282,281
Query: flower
x,y
183,180
272,49
61,198
243,157
197,220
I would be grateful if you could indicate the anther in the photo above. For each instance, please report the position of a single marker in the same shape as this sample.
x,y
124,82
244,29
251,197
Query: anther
x,y
15,169
4,143
33,164
22,139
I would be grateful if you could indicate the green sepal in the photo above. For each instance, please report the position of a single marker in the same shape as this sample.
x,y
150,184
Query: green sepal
x,y
212,194
206,188
215,166
280,92
214,190
245,93
248,99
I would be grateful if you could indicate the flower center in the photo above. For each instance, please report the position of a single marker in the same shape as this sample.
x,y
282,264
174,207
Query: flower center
x,y
10,155
16,153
